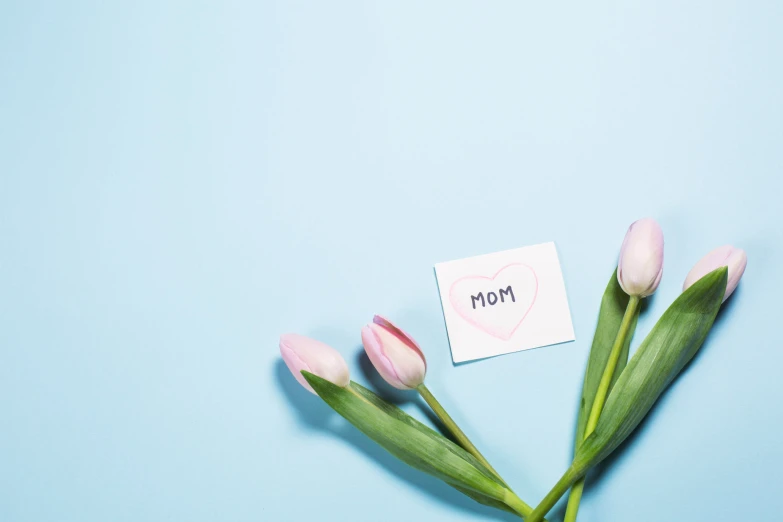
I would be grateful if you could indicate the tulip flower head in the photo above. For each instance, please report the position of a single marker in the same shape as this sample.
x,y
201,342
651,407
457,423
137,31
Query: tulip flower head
x,y
641,258
302,353
394,354
734,258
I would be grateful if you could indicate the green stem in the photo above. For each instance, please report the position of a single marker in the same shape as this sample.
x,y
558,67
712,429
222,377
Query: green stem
x,y
566,481
446,419
611,365
511,500
600,399
574,497
517,504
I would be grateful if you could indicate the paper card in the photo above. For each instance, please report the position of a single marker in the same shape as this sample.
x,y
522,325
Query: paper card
x,y
504,302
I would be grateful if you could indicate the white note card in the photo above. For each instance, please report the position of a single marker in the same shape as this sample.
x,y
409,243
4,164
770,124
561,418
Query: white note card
x,y
504,302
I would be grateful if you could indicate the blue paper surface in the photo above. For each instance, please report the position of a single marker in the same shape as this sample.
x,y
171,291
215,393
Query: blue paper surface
x,y
182,182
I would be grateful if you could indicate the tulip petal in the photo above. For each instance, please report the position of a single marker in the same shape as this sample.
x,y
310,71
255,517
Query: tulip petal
x,y
379,359
295,365
302,353
734,258
640,265
394,354
400,334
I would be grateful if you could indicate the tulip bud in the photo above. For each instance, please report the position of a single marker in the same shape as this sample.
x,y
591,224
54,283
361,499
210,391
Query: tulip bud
x,y
394,354
733,258
641,258
302,353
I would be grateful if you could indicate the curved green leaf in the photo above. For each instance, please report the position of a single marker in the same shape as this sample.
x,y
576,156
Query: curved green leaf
x,y
520,506
409,440
673,341
397,413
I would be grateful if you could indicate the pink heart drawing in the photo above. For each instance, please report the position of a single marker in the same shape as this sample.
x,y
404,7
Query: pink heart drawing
x,y
496,305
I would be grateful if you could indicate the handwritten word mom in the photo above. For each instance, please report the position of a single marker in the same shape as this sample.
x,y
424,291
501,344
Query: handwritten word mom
x,y
492,297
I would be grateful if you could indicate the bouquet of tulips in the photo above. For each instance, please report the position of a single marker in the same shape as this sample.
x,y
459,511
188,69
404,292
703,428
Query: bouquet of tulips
x,y
617,392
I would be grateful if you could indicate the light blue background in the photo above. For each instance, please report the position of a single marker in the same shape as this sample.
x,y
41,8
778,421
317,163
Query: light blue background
x,y
180,183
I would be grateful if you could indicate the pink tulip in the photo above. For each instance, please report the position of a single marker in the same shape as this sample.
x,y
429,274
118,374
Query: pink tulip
x,y
394,354
734,258
641,258
302,353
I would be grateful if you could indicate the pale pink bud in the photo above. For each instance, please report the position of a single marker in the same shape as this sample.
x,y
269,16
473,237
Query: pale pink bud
x,y
727,255
394,354
641,258
302,353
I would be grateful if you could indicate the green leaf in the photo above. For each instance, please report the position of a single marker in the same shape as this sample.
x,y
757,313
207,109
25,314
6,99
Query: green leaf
x,y
394,411
673,341
613,305
409,440
483,499
397,413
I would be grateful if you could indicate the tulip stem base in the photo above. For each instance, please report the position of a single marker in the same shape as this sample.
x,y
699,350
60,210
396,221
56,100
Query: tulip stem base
x,y
566,481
